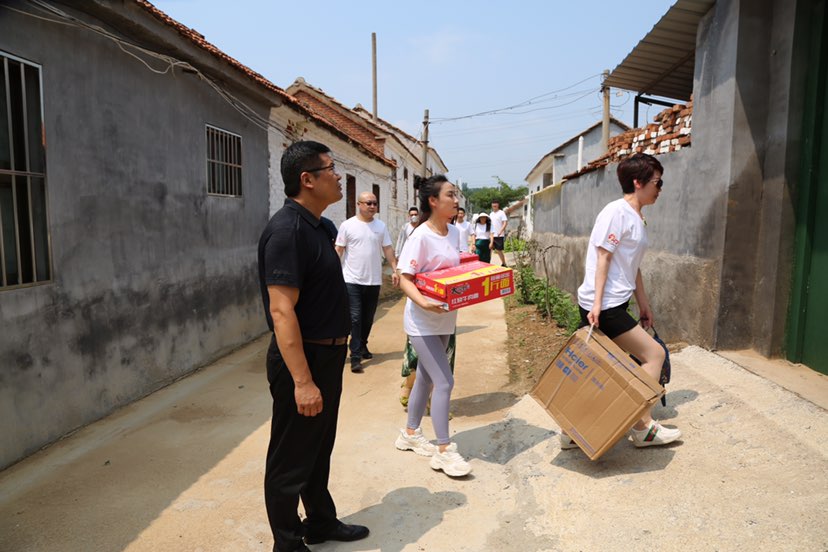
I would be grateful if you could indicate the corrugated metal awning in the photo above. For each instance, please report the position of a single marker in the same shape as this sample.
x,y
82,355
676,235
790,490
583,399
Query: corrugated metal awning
x,y
662,63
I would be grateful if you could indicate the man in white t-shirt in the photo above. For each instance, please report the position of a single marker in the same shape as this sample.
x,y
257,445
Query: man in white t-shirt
x,y
361,242
465,230
499,222
407,229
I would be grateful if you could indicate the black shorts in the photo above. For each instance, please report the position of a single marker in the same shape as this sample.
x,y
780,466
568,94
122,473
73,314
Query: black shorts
x,y
498,244
613,321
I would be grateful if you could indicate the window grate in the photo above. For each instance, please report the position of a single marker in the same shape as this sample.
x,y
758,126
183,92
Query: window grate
x,y
224,163
25,251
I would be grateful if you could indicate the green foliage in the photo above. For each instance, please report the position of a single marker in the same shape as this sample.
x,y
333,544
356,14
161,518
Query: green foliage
x,y
550,300
514,244
480,199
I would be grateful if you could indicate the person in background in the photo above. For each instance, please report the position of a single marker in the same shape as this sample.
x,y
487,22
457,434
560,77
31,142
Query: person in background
x,y
361,242
616,247
465,230
499,223
306,308
408,227
482,236
432,246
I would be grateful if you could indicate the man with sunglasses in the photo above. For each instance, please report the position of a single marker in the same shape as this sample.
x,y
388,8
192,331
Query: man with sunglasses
x,y
361,243
306,307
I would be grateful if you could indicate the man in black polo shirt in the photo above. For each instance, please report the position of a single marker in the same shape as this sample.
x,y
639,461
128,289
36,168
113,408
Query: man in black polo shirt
x,y
306,305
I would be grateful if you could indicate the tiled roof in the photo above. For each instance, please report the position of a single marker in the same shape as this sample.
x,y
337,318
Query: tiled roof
x,y
339,114
334,116
367,114
671,131
198,39
360,109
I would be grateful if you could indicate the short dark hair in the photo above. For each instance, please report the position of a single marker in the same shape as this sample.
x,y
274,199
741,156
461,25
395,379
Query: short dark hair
x,y
300,157
413,209
427,188
639,166
495,201
460,209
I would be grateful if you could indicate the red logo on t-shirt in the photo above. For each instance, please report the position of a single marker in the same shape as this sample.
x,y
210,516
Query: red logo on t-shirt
x,y
413,263
612,239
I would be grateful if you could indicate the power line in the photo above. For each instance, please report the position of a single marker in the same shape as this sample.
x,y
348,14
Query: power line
x,y
171,63
516,124
525,103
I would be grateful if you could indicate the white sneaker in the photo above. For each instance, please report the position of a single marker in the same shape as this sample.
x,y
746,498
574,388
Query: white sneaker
x,y
417,442
567,442
654,435
450,462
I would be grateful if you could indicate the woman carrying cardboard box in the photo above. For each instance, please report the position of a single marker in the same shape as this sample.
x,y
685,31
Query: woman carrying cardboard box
x,y
616,247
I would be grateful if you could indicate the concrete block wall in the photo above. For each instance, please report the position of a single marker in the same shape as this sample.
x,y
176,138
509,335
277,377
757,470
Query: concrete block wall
x,y
152,277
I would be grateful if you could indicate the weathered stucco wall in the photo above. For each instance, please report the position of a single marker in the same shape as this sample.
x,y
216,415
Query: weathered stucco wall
x,y
718,269
680,273
152,277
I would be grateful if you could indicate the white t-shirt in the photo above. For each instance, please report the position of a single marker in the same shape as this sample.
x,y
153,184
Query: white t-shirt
x,y
363,243
620,230
424,251
480,232
463,238
499,220
403,235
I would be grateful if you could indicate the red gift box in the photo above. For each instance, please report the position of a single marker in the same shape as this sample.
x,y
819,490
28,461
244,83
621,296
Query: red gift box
x,y
468,257
466,284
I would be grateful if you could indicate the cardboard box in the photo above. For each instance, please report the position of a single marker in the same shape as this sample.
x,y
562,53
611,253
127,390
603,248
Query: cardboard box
x,y
595,391
468,257
466,284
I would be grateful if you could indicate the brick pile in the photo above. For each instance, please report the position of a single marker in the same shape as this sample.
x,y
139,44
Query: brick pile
x,y
671,130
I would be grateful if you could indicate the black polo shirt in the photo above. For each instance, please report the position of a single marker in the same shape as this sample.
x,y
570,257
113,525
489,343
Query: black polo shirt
x,y
296,251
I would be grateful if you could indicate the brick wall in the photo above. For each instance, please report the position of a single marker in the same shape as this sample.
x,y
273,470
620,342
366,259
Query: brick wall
x,y
670,130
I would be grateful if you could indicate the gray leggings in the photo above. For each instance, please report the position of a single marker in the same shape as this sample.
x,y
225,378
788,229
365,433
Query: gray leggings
x,y
432,370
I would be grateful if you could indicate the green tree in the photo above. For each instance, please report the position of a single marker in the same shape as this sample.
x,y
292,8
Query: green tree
x,y
480,199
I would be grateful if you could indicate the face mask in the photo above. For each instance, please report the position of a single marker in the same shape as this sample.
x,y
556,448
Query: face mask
x,y
414,219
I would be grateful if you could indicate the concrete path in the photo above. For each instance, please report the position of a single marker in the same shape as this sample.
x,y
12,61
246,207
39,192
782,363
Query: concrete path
x,y
181,470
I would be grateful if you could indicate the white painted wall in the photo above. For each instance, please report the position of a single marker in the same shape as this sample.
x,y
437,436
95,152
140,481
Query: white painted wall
x,y
349,160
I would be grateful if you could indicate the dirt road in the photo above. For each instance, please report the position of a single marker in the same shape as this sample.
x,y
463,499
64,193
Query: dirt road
x,y
182,469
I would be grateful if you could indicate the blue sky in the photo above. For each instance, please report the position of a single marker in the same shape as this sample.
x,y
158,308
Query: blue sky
x,y
454,58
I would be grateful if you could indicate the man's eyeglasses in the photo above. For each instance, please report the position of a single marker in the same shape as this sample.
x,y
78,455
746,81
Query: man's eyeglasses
x,y
659,183
370,202
332,167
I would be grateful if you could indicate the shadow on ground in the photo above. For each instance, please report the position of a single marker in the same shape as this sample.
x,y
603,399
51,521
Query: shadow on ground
x,y
476,405
468,329
500,442
674,399
400,519
139,460
621,459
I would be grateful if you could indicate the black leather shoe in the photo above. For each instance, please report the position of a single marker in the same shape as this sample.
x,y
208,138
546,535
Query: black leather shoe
x,y
299,548
356,365
366,354
343,532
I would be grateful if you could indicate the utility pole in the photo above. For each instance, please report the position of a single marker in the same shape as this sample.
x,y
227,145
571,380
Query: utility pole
x,y
425,144
374,70
606,121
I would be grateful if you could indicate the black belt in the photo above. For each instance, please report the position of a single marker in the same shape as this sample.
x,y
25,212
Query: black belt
x,y
328,341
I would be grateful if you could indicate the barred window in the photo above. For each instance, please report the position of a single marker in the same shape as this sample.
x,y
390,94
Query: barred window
x,y
224,163
25,256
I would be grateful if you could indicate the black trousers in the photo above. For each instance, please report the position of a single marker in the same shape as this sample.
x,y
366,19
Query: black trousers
x,y
299,455
363,301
